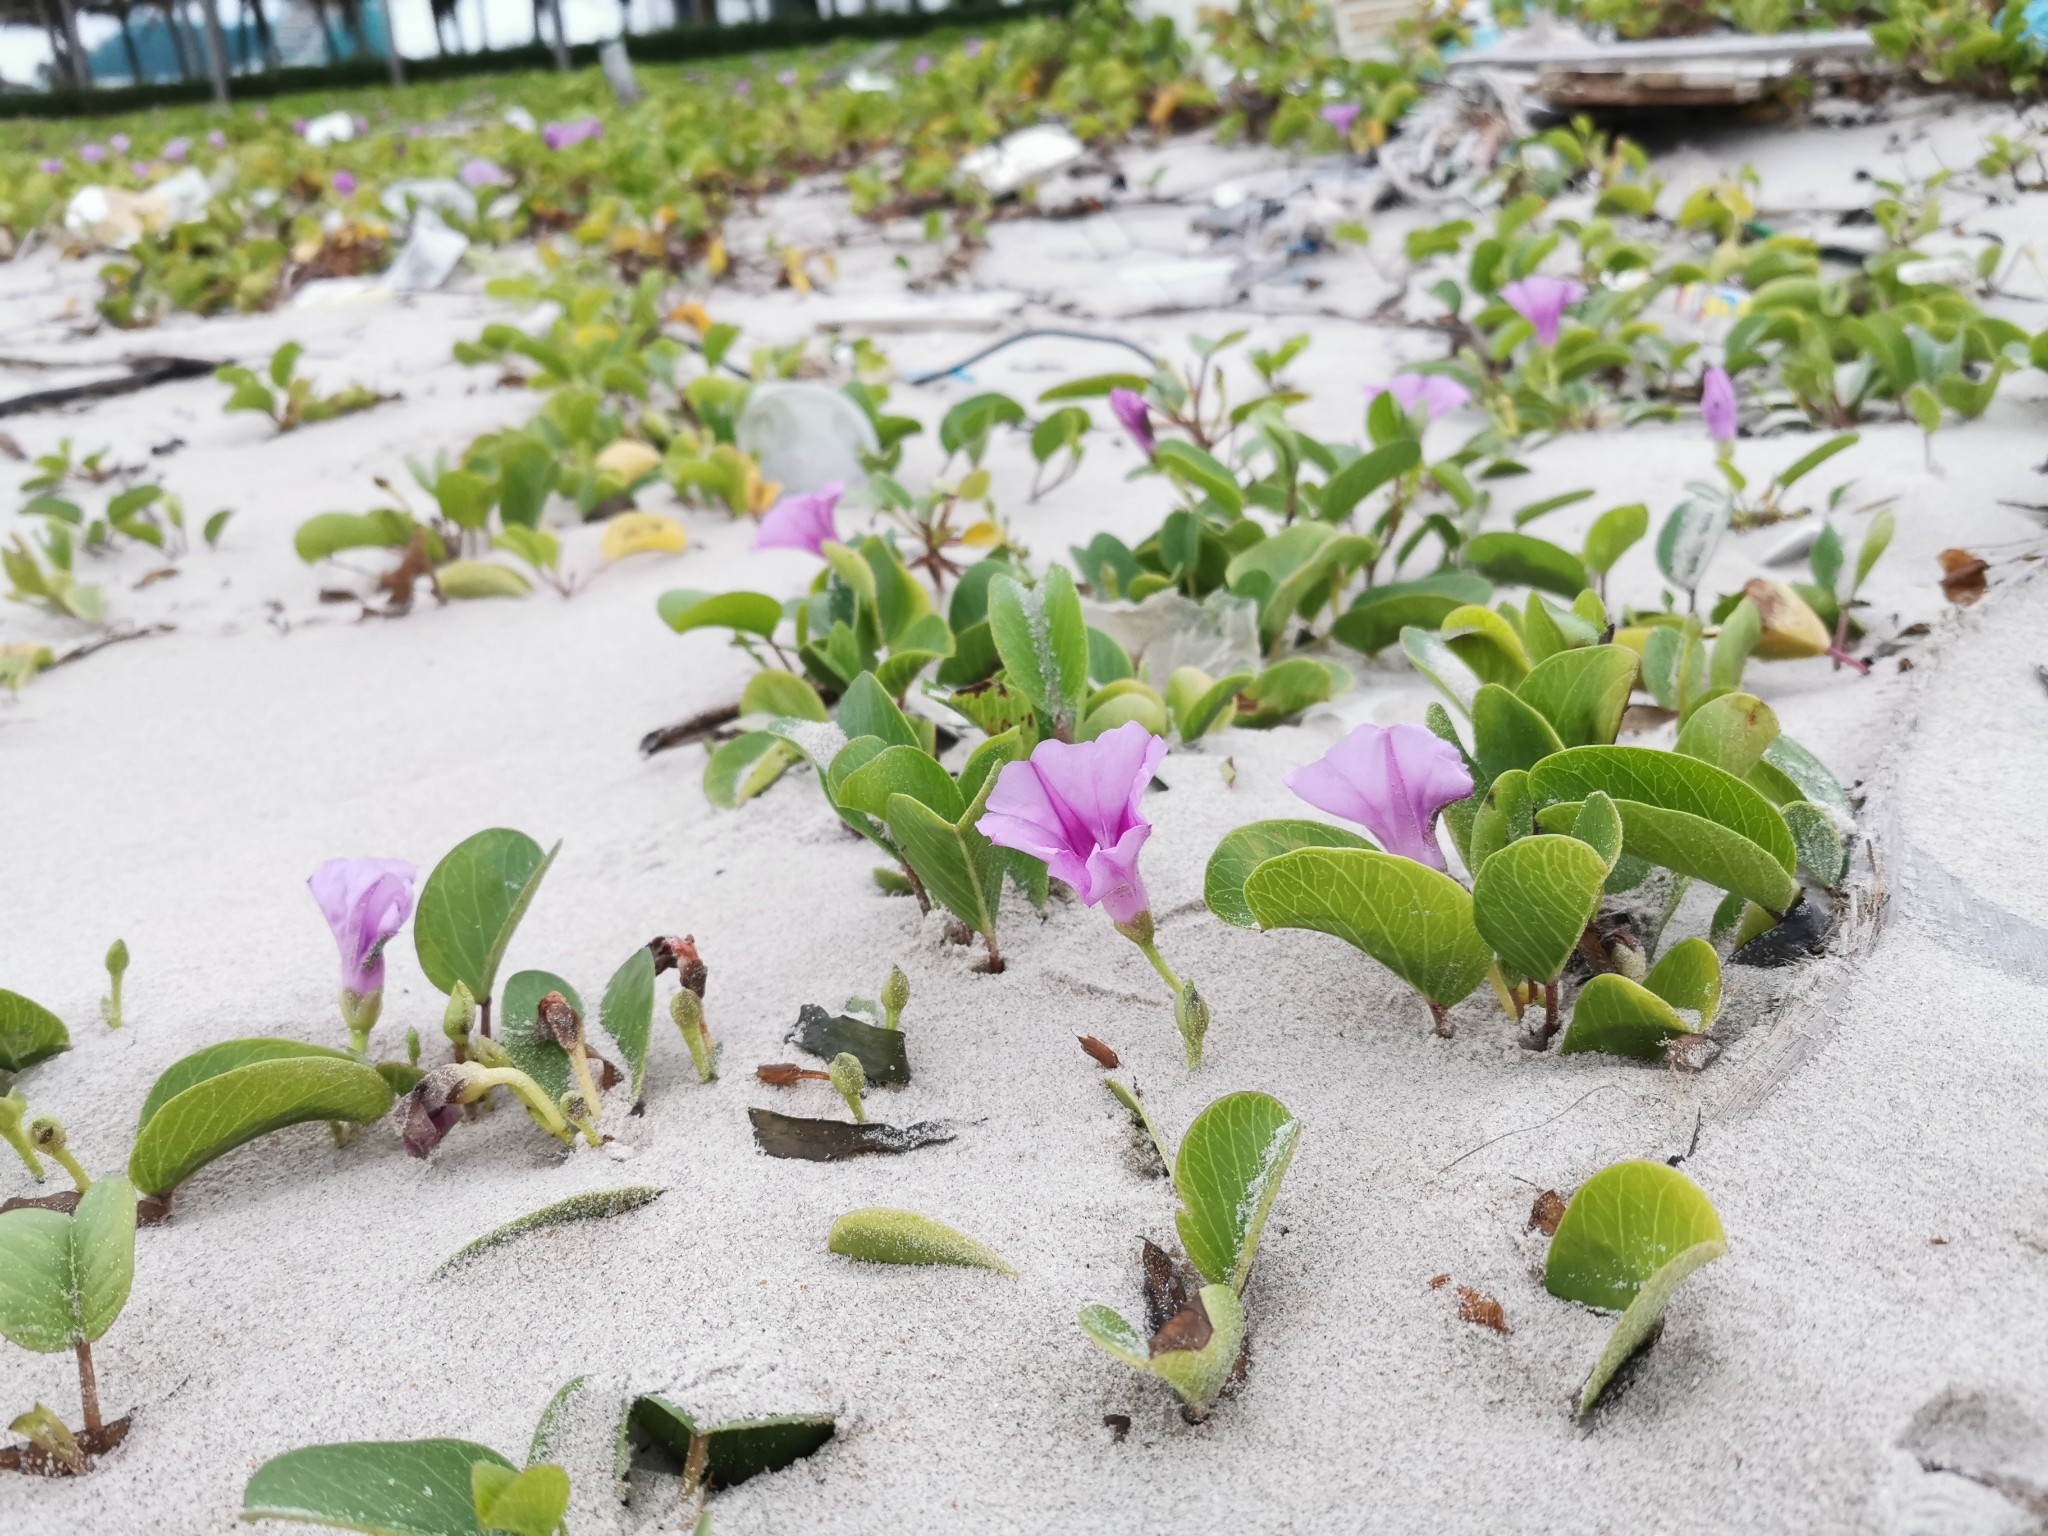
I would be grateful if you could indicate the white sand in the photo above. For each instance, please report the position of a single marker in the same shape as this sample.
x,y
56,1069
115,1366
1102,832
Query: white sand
x,y
177,790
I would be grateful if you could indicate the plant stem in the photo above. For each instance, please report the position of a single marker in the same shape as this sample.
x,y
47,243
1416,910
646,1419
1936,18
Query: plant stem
x,y
995,955
88,1388
483,1017
1549,1010
529,1093
78,1175
113,1009
1150,950
593,1105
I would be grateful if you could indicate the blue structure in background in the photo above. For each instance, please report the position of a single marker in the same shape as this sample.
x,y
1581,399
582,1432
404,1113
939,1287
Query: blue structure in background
x,y
294,27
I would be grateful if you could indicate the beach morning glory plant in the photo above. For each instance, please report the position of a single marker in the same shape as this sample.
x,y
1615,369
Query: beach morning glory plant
x,y
1393,781
1542,302
1075,805
802,522
365,902
1433,392
1129,408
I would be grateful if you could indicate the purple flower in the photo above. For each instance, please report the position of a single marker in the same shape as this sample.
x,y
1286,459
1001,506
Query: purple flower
x,y
366,902
1542,302
1128,406
1075,805
972,48
140,169
922,65
564,135
344,183
1392,782
427,1114
50,166
1434,392
299,125
743,89
786,77
118,143
1717,404
92,154
176,149
801,522
479,173
1340,115
216,138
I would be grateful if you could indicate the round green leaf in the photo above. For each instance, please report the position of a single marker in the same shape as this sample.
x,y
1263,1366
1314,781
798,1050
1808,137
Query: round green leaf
x,y
900,771
1688,977
1670,782
1582,692
1250,846
1043,640
752,612
1508,733
1377,615
1624,1224
1612,534
221,1112
189,1071
519,1029
1487,643
1622,1018
1227,1174
1414,920
882,1236
471,905
1523,560
480,578
783,695
385,1488
1533,899
29,1032
736,771
1730,732
1822,853
1198,1375
64,1278
626,1013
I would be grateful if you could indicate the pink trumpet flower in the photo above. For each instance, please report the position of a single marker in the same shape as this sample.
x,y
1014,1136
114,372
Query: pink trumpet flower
x,y
1392,781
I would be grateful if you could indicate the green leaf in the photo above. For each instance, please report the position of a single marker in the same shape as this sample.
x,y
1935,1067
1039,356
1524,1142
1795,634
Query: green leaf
x,y
1808,774
1429,655
471,906
1822,853
1198,1375
64,1278
1666,780
1366,474
781,694
1689,537
1199,703
468,579
957,864
626,1013
1674,664
752,612
1522,559
1283,691
330,533
1508,733
592,1205
1227,1174
1193,467
220,1112
882,1236
1740,633
1138,703
284,361
1533,899
1583,692
1095,387
385,1488
1623,1018
1377,615
976,417
1807,463
1488,644
1414,920
738,770
213,1060
1689,977
1875,543
1730,732
866,709
528,1503
1250,846
736,1451
1598,826
901,771
29,1033
519,1029
1630,1237
1043,640
1613,534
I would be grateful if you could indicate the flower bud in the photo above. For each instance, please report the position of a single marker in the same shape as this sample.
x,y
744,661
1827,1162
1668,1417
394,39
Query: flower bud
x,y
117,957
486,1051
47,1132
895,996
1191,1013
1626,958
555,1020
460,1015
851,1081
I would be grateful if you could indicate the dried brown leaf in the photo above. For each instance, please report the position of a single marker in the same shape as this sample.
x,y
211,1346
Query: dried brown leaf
x,y
1103,1056
1188,1328
1166,1286
1478,1307
1438,1282
1546,1213
1962,576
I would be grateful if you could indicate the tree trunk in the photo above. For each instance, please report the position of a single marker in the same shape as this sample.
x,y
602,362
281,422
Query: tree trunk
x,y
326,32
128,47
561,37
216,50
177,39
265,39
392,57
81,72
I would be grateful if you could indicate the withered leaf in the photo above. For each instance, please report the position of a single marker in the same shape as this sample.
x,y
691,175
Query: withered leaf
x,y
1438,1282
787,1074
1962,576
881,1052
150,1210
832,1141
1103,1056
1546,1213
1118,1424
1478,1307
1188,1328
38,1462
1166,1286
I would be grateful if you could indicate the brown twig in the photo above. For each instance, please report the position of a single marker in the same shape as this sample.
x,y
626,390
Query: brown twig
x,y
683,732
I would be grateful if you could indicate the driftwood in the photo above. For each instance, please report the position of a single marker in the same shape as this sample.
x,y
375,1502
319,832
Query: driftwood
x,y
143,373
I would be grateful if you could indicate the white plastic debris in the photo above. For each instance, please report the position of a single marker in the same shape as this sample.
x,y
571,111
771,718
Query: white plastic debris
x,y
430,254
1170,630
805,436
520,118
331,128
1028,155
867,82
437,194
111,217
1793,547
1206,282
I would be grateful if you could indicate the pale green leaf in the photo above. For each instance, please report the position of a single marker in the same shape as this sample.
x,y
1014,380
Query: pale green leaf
x,y
1227,1174
882,1236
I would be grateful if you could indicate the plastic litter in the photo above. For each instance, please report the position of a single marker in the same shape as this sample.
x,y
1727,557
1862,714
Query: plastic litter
x,y
116,219
1028,155
438,194
805,436
428,257
330,128
1205,282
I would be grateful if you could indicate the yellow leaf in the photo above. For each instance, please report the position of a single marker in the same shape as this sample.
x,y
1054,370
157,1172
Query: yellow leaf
x,y
694,315
983,535
714,256
1375,133
793,269
629,459
974,487
1163,107
761,494
642,533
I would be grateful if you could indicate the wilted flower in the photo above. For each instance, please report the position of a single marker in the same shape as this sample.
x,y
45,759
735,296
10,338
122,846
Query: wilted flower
x,y
1542,302
563,135
1433,391
1340,115
176,149
1717,404
431,1110
92,154
801,522
1392,782
50,165
344,183
1128,406
479,173
366,902
1075,805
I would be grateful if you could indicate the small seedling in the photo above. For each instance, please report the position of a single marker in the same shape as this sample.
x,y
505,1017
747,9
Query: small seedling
x,y
46,1133
850,1081
288,400
14,1127
117,967
895,997
420,1487
880,1236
